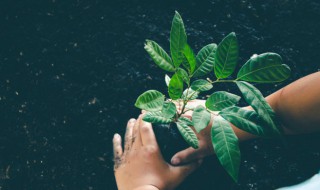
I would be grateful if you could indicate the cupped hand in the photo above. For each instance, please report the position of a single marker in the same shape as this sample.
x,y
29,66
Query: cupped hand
x,y
205,146
140,165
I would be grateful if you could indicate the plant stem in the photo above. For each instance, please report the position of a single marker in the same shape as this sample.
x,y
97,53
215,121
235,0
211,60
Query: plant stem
x,y
185,101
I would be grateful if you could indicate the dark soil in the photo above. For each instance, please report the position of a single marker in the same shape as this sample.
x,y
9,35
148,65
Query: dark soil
x,y
70,72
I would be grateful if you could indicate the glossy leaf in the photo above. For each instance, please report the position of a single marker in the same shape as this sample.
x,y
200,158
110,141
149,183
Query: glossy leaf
x,y
156,117
178,39
150,100
256,100
226,56
167,79
183,75
186,120
264,68
220,100
201,85
175,87
190,57
205,60
188,134
226,147
190,94
159,56
246,120
169,109
201,118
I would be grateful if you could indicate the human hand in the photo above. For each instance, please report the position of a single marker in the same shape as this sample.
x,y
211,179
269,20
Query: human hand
x,y
140,165
205,145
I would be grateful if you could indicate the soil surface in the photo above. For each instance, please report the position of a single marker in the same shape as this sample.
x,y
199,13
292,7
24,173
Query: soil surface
x,y
70,72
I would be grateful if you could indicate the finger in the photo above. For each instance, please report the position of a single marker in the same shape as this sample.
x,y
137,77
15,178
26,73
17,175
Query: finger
x,y
147,134
136,133
128,135
181,172
186,156
117,150
143,111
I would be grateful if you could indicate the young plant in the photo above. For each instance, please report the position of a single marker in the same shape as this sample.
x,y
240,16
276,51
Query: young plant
x,y
221,59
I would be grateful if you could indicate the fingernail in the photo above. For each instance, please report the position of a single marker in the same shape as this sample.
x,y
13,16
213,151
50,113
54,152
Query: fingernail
x,y
175,161
132,120
116,136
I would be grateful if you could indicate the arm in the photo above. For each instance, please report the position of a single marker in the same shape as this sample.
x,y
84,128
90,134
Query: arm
x,y
297,105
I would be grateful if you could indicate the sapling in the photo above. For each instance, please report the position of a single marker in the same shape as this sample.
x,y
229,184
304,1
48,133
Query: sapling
x,y
188,80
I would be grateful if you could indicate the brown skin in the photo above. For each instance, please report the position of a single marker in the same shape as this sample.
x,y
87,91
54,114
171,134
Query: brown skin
x,y
141,166
297,105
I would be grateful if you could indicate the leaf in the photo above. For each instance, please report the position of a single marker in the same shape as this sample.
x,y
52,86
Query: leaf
x,y
226,56
201,85
201,118
178,39
150,100
256,100
205,60
186,120
159,56
175,87
264,68
183,75
226,147
167,79
188,134
220,100
247,120
190,94
156,117
189,55
169,110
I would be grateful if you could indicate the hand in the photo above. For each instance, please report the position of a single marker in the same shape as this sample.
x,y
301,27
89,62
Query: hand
x,y
140,165
205,145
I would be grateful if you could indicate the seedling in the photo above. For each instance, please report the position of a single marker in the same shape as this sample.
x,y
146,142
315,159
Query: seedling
x,y
187,82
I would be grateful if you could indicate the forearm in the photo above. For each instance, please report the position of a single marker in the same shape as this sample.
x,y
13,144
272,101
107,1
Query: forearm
x,y
297,105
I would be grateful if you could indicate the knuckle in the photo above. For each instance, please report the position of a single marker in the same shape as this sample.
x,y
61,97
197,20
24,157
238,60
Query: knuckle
x,y
150,150
145,128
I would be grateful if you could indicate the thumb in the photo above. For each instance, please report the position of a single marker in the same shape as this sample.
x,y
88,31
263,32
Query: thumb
x,y
187,155
181,172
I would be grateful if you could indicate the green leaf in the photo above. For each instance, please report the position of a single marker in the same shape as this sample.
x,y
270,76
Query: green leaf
x,y
201,85
201,118
167,79
188,134
186,120
256,100
183,75
189,55
264,68
159,56
150,100
220,100
205,60
246,120
169,110
178,39
226,56
226,147
175,87
190,94
156,117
